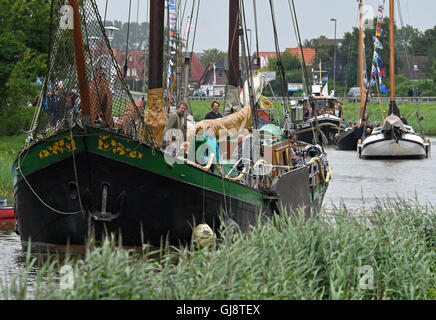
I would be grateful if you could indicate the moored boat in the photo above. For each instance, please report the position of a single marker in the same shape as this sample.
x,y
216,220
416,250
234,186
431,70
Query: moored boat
x,y
7,218
394,139
95,164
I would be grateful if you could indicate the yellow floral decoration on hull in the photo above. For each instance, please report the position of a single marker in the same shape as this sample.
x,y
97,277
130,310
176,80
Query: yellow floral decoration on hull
x,y
107,145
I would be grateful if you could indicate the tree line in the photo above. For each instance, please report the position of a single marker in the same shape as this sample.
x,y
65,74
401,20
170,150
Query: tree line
x,y
409,40
24,41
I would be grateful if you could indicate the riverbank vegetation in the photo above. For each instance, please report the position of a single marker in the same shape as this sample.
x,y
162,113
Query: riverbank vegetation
x,y
351,113
9,147
389,253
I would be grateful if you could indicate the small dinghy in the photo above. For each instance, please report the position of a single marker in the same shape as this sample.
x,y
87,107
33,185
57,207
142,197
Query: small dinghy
x,y
7,218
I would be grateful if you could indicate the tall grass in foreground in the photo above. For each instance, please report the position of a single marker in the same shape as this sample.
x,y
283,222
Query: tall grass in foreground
x,y
286,258
9,147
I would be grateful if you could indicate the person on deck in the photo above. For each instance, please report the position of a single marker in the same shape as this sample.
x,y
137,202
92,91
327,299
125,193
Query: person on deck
x,y
212,148
214,113
176,121
404,120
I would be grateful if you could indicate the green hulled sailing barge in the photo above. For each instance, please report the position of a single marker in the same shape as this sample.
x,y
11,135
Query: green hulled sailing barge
x,y
94,156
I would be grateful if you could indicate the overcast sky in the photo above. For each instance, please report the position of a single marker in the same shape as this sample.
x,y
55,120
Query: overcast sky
x,y
313,18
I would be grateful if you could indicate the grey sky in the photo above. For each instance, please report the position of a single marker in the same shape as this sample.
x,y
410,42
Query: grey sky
x,y
314,19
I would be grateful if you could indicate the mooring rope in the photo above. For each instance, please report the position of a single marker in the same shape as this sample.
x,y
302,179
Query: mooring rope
x,y
37,196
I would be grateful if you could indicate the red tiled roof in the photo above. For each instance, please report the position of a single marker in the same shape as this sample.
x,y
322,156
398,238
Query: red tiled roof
x,y
137,62
309,54
196,68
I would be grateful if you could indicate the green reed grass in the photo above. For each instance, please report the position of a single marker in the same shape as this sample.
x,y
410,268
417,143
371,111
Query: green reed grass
x,y
9,147
288,257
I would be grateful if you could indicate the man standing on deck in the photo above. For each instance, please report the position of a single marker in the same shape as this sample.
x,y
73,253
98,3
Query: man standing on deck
x,y
214,114
175,124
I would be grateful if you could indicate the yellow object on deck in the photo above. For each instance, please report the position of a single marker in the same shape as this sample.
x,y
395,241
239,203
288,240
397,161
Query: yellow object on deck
x,y
232,124
154,116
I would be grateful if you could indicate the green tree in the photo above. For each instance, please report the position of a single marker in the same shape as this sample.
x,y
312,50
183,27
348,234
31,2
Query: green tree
x,y
211,55
24,41
405,36
292,67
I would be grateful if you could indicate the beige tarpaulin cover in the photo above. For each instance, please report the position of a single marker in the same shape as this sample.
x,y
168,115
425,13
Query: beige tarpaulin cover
x,y
393,122
154,117
233,124
233,103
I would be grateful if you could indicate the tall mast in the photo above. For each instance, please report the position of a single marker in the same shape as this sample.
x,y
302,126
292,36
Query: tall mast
x,y
154,115
156,47
361,61
393,108
81,66
233,52
392,48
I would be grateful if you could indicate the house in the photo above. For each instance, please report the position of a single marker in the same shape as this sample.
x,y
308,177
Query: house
x,y
264,57
415,67
197,70
308,53
135,62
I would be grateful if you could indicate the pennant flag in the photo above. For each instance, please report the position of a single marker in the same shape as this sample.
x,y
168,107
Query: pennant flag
x,y
383,88
374,71
379,31
373,83
377,60
326,78
377,43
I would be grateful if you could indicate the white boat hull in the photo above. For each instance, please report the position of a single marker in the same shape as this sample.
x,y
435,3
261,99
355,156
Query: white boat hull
x,y
409,146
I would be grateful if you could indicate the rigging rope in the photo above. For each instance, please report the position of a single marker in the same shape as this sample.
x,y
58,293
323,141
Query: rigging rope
x,y
281,69
36,195
246,53
146,46
127,42
105,12
409,69
255,27
300,45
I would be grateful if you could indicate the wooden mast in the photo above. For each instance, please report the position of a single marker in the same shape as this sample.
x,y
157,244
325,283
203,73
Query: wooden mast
x,y
157,18
81,66
393,109
233,52
392,49
361,62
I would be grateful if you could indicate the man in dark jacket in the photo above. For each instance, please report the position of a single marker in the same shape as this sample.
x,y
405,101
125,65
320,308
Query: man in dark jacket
x,y
214,114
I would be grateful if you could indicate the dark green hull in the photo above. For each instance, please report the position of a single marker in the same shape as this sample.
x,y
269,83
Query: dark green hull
x,y
128,188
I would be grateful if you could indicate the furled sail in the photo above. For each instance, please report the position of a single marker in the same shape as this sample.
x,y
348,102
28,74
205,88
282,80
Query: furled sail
x,y
231,125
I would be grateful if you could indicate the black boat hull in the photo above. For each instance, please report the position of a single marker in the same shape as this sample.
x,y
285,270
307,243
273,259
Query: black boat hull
x,y
151,207
141,207
329,127
348,139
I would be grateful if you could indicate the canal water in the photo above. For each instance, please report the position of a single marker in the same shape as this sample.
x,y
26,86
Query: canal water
x,y
355,183
358,182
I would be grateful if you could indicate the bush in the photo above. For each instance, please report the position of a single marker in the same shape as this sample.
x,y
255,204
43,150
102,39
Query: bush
x,y
15,119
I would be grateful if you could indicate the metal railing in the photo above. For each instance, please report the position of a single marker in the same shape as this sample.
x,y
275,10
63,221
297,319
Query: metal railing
x,y
349,99
397,99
